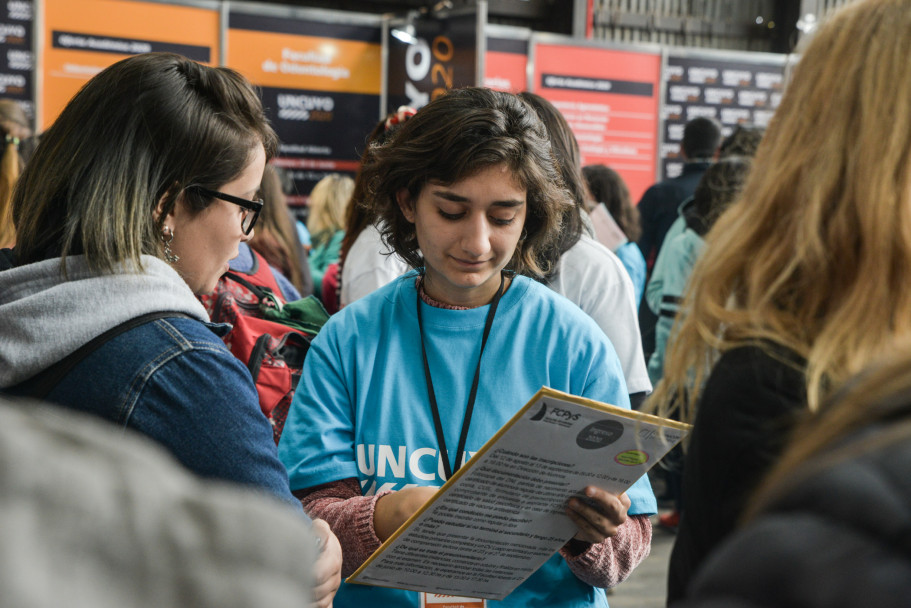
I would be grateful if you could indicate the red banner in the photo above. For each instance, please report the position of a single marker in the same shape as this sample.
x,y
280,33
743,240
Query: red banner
x,y
505,64
610,99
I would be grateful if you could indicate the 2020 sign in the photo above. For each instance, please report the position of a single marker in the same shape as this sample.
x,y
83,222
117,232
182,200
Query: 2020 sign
x,y
433,60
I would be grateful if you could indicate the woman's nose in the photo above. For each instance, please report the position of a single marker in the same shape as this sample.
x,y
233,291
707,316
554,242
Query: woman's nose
x,y
476,237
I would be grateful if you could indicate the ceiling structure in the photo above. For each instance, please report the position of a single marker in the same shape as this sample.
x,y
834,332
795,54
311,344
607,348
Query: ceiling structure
x,y
562,16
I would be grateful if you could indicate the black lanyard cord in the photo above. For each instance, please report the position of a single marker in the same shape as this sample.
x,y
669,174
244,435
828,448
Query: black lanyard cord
x,y
434,408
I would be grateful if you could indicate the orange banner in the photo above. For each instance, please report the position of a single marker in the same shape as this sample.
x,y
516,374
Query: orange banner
x,y
279,60
82,38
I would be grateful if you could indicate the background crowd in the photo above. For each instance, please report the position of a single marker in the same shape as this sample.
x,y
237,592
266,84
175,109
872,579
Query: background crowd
x,y
471,260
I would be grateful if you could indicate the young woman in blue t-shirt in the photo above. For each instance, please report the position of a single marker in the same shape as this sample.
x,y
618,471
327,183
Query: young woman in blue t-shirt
x,y
469,194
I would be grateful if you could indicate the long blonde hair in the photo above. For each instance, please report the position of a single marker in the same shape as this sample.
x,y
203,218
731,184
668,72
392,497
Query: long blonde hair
x,y
10,167
816,256
328,202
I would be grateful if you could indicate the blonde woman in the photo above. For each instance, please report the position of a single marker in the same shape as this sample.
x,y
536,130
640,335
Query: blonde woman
x,y
326,223
804,281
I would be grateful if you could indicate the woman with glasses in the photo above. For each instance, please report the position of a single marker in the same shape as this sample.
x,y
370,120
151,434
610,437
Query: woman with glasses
x,y
134,202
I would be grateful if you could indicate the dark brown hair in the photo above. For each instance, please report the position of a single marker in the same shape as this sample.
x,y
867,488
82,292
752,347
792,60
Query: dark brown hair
x,y
607,187
143,131
566,150
275,237
454,137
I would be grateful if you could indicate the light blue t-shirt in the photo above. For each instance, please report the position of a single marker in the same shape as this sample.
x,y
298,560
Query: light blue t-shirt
x,y
632,259
361,409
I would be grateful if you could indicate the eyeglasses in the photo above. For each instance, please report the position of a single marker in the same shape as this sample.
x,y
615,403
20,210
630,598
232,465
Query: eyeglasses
x,y
249,219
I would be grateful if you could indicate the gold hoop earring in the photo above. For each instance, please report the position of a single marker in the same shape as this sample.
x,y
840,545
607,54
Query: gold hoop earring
x,y
167,235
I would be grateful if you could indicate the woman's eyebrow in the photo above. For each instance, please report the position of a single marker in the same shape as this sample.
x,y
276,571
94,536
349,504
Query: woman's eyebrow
x,y
452,196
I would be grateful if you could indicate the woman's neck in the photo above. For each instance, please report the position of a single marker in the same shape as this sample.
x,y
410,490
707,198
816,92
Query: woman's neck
x,y
433,297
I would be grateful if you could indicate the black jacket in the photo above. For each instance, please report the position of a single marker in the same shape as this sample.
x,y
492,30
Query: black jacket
x,y
748,406
840,539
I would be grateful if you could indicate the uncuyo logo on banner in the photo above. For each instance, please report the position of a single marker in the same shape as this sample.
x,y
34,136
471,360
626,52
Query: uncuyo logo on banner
x,y
305,107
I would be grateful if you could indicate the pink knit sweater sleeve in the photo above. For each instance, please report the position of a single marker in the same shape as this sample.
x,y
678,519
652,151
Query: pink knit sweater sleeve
x,y
610,562
350,516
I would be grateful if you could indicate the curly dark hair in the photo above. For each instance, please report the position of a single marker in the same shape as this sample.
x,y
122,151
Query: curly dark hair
x,y
454,137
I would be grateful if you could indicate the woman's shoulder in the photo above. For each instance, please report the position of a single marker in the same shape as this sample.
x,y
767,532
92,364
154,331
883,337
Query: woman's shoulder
x,y
590,265
550,308
758,358
326,237
176,334
630,251
825,510
760,375
373,307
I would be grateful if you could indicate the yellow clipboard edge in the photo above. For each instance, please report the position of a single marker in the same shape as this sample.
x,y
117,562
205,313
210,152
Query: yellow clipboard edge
x,y
542,393
618,411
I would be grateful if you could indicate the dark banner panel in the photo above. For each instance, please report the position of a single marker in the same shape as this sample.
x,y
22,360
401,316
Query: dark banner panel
x,y
321,132
303,27
730,91
127,46
429,56
320,85
610,100
17,66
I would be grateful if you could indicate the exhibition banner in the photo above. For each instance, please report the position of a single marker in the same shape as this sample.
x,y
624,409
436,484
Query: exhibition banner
x,y
743,90
17,67
610,99
505,66
82,38
429,55
320,84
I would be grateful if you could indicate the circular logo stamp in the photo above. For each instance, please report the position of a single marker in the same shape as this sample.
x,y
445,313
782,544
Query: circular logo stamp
x,y
599,434
631,458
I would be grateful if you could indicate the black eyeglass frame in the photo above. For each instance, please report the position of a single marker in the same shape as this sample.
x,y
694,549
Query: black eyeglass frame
x,y
255,206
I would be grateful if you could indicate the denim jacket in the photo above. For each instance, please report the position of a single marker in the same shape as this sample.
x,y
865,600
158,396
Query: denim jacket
x,y
171,379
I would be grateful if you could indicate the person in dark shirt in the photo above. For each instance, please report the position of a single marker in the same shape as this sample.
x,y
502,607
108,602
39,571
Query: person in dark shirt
x,y
658,206
829,526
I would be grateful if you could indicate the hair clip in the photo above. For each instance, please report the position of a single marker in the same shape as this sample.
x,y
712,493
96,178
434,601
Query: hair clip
x,y
400,116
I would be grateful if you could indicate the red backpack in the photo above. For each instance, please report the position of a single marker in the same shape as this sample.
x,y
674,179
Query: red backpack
x,y
271,337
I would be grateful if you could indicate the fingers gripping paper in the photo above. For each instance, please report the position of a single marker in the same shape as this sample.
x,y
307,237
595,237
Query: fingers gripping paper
x,y
502,515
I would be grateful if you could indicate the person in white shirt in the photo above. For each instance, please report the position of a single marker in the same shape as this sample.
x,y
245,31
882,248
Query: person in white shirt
x,y
586,272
